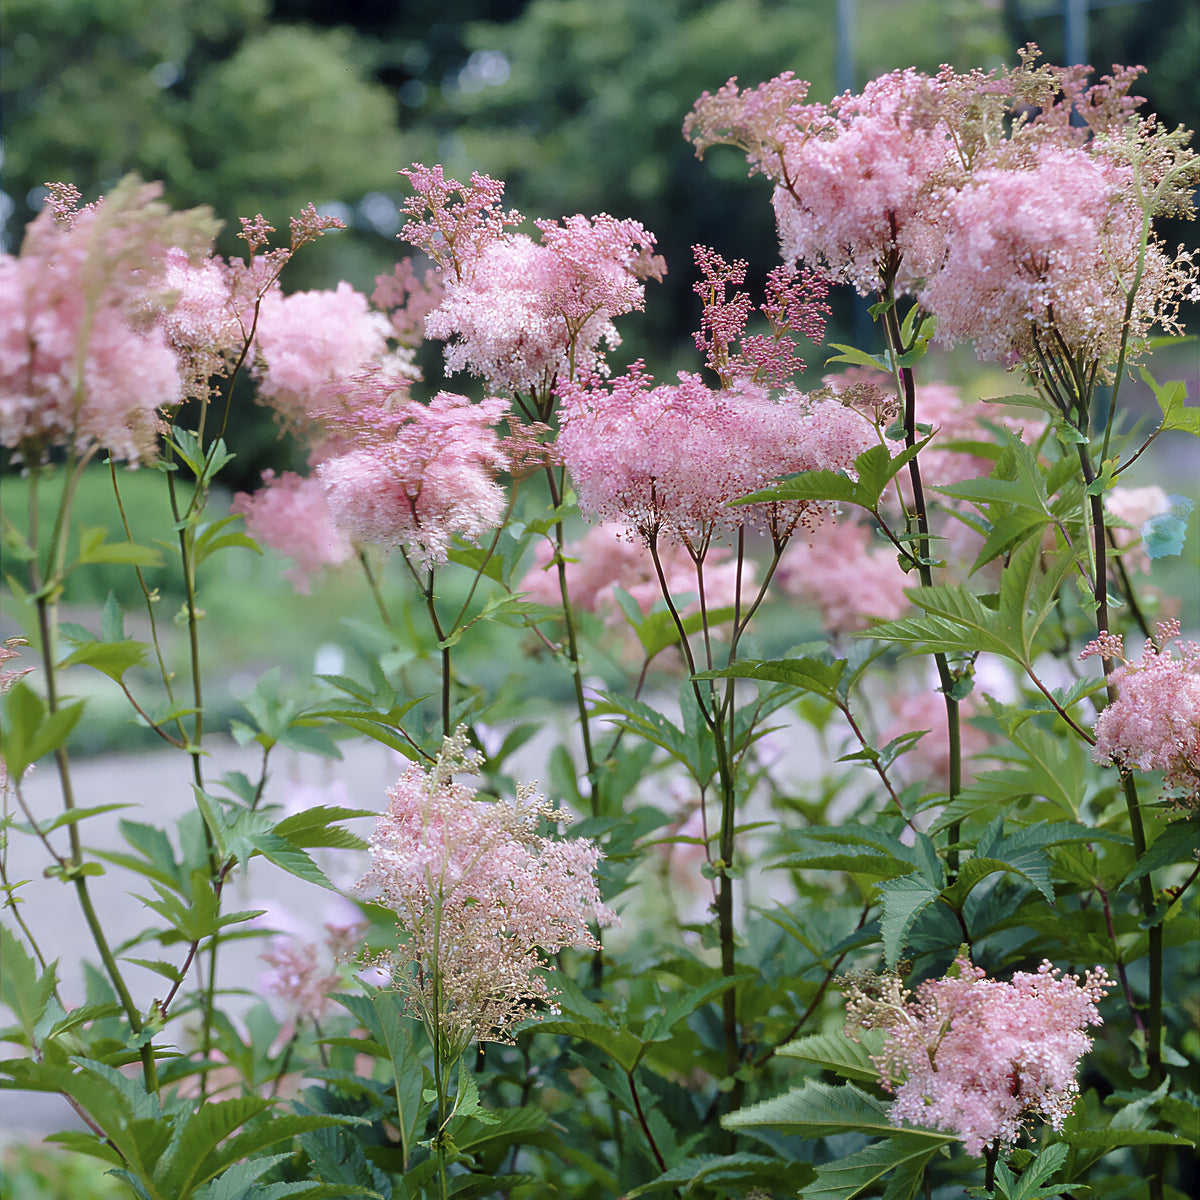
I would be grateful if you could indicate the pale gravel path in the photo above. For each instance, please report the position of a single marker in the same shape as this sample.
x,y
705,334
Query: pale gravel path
x,y
157,786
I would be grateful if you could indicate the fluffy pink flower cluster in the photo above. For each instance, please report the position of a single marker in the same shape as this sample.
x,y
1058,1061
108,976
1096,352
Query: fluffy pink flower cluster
x,y
669,459
1154,724
1044,251
836,569
607,558
310,342
480,898
424,473
978,1057
518,312
290,514
1019,234
85,360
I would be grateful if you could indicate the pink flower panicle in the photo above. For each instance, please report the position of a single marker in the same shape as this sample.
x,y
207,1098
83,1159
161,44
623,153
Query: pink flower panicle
x,y
310,225
426,473
670,459
408,299
795,303
522,314
310,342
84,358
1018,227
1154,723
256,233
454,232
480,897
975,1056
291,515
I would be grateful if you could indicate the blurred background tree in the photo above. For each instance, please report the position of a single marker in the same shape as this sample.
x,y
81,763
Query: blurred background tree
x,y
250,106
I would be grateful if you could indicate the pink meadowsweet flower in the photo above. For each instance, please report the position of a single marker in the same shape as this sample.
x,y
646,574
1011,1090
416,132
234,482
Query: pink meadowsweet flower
x,y
1154,723
927,761
1043,254
299,978
853,199
291,515
523,313
83,359
203,325
308,342
480,896
795,303
836,569
408,300
454,232
670,459
425,473
977,1057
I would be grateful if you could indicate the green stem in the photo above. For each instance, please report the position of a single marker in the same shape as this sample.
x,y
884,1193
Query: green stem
x,y
585,730
46,610
946,679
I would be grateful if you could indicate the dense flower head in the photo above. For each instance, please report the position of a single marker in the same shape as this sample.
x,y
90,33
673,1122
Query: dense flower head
x,y
670,459
84,358
480,897
1044,252
290,514
1154,723
846,200
424,473
978,1057
308,342
522,314
1013,204
836,569
203,326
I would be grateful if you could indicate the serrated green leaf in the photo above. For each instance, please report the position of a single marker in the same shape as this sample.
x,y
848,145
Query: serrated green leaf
x,y
904,898
817,1110
24,988
836,1052
388,1011
29,731
902,1153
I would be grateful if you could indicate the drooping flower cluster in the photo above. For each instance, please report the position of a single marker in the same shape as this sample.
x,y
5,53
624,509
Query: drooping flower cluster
x,y
1154,723
85,360
978,1057
670,459
425,472
518,312
1025,234
480,897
